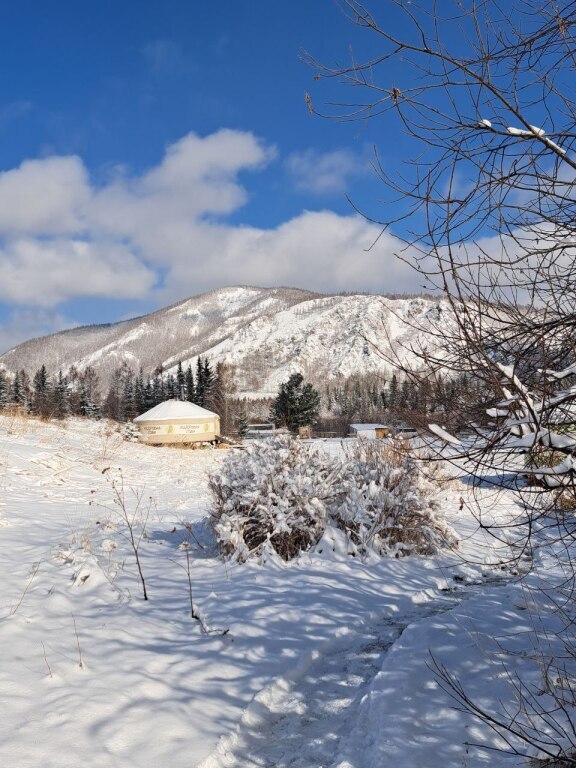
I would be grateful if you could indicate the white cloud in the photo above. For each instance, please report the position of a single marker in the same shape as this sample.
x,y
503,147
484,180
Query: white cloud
x,y
45,273
317,250
197,178
44,196
325,173
62,237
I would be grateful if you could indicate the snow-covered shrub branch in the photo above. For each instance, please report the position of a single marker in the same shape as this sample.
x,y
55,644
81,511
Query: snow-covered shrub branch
x,y
274,495
281,495
387,507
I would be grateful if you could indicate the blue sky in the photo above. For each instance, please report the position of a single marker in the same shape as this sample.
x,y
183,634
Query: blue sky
x,y
153,150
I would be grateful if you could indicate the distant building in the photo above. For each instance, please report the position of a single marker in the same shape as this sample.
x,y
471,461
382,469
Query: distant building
x,y
260,431
370,431
176,421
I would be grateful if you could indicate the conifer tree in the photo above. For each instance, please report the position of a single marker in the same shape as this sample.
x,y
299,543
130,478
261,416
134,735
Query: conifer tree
x,y
296,405
4,392
158,389
384,399
60,397
204,382
308,406
140,393
42,404
149,401
18,396
393,392
180,382
208,382
171,388
128,403
88,408
242,423
189,385
199,382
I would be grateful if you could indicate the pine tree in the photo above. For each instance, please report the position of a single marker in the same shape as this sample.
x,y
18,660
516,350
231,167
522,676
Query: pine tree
x,y
296,405
42,404
308,406
89,400
88,408
393,392
181,382
17,394
384,399
404,395
60,397
328,398
158,389
242,424
199,382
204,382
4,393
140,393
208,382
128,407
189,384
171,388
149,401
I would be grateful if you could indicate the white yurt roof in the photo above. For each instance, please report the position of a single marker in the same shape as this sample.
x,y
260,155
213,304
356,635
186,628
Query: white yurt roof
x,y
175,409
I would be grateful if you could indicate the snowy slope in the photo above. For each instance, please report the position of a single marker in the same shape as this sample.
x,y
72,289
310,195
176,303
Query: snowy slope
x,y
267,333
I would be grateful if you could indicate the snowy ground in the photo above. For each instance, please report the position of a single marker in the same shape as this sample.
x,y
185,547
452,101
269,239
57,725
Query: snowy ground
x,y
320,663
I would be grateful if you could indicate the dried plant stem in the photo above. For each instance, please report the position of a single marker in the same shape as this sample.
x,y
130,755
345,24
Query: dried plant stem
x,y
80,661
135,521
28,585
46,659
135,544
193,613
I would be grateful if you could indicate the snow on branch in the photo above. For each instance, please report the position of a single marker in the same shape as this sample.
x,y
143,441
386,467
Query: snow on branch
x,y
570,371
443,434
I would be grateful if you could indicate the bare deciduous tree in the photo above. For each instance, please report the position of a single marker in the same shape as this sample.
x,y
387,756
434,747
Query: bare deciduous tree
x,y
484,95
487,205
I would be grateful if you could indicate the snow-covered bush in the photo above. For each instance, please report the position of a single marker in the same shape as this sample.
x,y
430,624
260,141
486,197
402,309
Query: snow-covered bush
x,y
275,495
280,495
387,506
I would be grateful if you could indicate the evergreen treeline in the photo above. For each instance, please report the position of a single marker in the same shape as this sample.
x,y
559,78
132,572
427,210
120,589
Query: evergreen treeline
x,y
392,400
73,394
130,393
400,398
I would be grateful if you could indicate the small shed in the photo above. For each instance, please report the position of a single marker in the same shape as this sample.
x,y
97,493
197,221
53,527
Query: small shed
x,y
177,421
370,431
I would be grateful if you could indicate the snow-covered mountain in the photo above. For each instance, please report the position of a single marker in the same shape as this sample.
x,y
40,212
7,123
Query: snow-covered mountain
x,y
267,333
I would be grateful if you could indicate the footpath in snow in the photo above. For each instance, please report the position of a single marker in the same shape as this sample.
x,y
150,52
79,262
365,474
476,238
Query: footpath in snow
x,y
304,718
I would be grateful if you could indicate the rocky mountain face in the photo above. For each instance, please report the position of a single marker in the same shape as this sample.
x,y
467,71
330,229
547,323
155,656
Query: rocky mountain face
x,y
266,333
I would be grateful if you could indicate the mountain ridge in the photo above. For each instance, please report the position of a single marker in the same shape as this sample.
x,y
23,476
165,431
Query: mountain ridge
x,y
266,333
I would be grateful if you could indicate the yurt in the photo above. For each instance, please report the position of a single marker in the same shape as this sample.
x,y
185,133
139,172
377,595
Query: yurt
x,y
176,421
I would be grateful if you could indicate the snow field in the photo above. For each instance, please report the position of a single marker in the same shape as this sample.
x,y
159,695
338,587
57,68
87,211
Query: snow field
x,y
324,660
